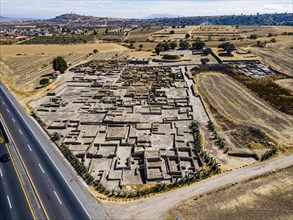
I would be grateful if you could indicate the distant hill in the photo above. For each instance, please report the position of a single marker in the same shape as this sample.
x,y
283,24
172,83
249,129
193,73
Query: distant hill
x,y
7,19
153,16
79,21
259,19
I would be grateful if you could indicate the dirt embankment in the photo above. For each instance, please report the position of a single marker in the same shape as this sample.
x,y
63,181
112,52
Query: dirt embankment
x,y
251,118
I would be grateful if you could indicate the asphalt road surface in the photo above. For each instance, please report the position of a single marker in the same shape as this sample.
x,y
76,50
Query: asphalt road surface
x,y
13,203
56,195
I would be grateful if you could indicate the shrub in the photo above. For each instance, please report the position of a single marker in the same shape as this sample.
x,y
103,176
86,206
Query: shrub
x,y
44,82
253,36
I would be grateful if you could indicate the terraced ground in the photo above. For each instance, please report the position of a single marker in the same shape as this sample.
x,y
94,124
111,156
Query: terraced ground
x,y
141,34
26,71
278,55
22,66
242,108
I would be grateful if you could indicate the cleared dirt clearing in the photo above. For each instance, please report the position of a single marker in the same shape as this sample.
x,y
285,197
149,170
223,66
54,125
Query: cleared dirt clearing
x,y
235,102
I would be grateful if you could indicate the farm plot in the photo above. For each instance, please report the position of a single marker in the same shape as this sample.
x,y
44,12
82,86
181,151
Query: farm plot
x,y
216,32
278,56
12,50
165,34
241,107
141,34
267,197
26,71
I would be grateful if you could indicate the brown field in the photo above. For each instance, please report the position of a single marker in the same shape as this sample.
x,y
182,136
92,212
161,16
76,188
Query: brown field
x,y
242,108
141,34
22,66
266,197
277,55
164,34
285,83
12,50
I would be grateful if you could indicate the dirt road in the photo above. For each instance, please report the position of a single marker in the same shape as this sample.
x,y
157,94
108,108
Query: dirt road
x,y
157,207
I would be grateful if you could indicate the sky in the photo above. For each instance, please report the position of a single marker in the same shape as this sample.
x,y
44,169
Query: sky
x,y
140,8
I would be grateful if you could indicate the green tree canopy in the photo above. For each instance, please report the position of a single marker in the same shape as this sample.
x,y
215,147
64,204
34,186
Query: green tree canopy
x,y
173,45
198,44
44,81
59,64
227,46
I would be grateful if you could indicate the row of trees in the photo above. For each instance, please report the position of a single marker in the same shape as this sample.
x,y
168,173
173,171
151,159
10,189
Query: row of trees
x,y
214,166
184,44
219,142
80,168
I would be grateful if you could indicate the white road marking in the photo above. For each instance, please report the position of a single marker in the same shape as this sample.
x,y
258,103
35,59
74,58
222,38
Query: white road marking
x,y
46,152
57,197
13,120
1,173
9,202
20,132
7,110
29,147
41,168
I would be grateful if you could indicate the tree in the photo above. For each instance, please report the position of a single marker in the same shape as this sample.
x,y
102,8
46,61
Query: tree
x,y
55,136
187,35
95,51
198,44
173,45
228,47
273,40
159,49
204,60
172,32
166,46
59,64
253,36
207,51
260,44
140,46
184,44
44,81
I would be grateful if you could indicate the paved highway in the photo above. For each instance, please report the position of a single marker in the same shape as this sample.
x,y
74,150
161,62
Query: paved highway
x,y
13,202
56,195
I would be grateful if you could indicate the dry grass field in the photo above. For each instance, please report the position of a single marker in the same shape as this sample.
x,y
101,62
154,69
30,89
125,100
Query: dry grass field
x,y
242,108
12,50
278,55
22,66
141,34
164,34
266,197
285,83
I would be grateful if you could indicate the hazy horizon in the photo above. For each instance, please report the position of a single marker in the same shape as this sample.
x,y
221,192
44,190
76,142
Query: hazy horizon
x,y
140,9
